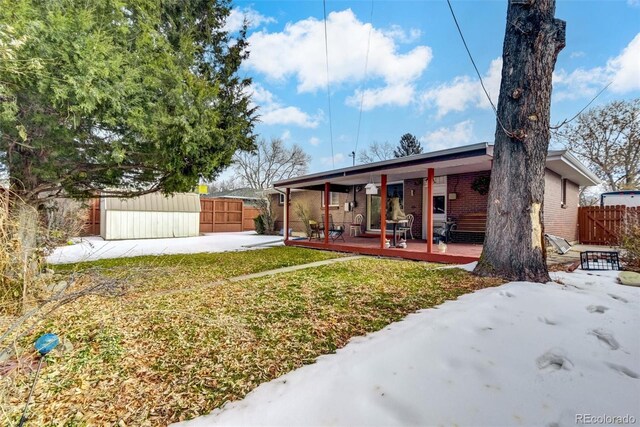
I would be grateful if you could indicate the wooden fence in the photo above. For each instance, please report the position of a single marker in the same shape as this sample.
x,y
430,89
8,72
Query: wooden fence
x,y
601,225
92,224
225,215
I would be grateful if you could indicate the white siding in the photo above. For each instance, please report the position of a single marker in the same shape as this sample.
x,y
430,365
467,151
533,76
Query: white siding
x,y
120,225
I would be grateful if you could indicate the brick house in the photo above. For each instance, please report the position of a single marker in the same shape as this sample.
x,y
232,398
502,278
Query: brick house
x,y
456,172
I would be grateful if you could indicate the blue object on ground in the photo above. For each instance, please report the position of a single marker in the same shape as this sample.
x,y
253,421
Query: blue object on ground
x,y
46,343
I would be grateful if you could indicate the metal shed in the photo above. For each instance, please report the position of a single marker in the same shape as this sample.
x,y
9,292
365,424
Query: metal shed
x,y
150,216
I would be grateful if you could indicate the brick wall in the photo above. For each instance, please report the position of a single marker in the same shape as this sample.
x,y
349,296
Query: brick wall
x,y
467,200
312,202
559,220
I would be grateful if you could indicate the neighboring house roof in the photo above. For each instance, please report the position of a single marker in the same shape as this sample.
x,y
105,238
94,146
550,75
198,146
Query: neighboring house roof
x,y
469,158
239,193
155,202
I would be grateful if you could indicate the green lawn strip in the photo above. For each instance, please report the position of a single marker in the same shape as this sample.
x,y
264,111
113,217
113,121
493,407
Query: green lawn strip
x,y
192,270
153,359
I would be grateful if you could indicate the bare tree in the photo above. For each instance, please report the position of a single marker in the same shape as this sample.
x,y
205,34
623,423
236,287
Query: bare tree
x,y
376,152
272,161
608,140
514,243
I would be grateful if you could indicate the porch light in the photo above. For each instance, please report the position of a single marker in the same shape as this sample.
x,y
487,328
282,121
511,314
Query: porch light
x,y
371,188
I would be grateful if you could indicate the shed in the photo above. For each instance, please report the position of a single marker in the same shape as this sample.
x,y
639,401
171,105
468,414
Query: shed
x,y
150,216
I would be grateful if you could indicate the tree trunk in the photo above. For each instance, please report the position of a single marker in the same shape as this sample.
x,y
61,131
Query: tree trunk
x,y
514,244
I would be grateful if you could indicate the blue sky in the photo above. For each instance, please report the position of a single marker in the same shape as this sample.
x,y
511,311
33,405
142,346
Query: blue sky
x,y
418,78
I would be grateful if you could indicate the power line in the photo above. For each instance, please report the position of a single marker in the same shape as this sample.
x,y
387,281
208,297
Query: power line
x,y
495,110
366,66
326,52
565,121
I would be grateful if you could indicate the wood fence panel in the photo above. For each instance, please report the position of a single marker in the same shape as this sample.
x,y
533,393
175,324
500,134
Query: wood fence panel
x,y
222,215
249,213
92,225
601,225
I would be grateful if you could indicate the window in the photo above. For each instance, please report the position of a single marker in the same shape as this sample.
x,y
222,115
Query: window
x,y
334,199
563,192
281,199
439,204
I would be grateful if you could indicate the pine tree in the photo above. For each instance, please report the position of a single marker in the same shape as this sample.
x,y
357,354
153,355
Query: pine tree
x,y
408,146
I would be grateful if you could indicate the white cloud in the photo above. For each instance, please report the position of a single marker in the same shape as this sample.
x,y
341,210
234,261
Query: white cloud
x,y
577,54
237,16
314,141
399,34
286,135
623,71
394,94
337,159
273,113
288,116
464,91
633,2
299,51
447,137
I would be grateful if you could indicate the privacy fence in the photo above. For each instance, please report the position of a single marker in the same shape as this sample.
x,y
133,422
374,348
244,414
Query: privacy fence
x,y
602,225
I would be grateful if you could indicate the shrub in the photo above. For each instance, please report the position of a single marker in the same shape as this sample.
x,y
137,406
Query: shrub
x,y
303,216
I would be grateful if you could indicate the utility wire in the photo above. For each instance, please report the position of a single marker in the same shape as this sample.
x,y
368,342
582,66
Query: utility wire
x,y
326,52
366,66
565,121
495,110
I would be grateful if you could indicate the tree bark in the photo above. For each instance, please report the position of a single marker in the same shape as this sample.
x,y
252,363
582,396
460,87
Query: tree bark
x,y
514,245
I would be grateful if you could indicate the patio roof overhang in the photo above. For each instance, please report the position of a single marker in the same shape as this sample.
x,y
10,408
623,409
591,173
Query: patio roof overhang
x,y
470,158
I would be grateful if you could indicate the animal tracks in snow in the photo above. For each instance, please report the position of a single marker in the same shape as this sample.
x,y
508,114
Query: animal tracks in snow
x,y
623,370
597,309
605,337
554,359
619,298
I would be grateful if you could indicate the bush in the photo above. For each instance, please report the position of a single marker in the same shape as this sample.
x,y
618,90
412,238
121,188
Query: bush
x,y
303,216
630,240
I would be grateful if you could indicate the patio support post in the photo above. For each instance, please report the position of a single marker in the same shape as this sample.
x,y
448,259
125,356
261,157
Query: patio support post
x,y
327,189
429,207
383,210
287,196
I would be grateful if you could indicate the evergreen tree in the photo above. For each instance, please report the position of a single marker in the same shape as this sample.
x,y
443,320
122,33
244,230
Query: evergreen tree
x,y
408,146
129,96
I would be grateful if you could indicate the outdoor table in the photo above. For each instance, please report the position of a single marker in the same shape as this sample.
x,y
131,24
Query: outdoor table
x,y
395,227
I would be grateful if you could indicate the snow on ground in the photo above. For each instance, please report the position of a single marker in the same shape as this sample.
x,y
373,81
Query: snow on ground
x,y
520,354
93,248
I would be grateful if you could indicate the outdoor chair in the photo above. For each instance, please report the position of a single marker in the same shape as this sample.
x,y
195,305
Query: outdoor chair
x,y
408,228
442,233
356,227
315,229
335,232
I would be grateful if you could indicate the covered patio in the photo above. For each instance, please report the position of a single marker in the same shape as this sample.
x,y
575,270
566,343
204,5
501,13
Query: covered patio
x,y
422,168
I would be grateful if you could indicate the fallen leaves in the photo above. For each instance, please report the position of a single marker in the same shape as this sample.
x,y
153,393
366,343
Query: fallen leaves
x,y
152,357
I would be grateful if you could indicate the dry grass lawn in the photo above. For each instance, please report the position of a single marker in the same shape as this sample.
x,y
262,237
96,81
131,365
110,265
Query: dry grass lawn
x,y
150,357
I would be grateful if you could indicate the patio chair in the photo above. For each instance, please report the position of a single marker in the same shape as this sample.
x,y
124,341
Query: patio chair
x,y
356,227
408,228
335,232
315,229
442,233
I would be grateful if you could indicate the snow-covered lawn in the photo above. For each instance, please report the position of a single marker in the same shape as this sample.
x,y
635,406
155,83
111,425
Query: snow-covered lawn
x,y
94,248
519,354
